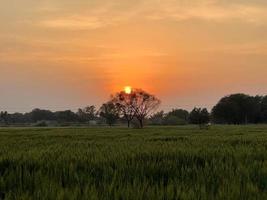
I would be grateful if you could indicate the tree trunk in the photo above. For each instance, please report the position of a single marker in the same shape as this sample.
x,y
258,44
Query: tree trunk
x,y
128,123
141,123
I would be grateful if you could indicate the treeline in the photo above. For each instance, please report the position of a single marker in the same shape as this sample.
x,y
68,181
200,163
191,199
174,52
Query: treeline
x,y
232,109
39,116
90,115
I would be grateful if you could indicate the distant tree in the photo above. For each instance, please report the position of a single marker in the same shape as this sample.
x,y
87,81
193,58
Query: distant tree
x,y
86,114
125,104
180,113
157,118
138,104
144,104
237,109
39,115
264,109
91,112
4,117
109,112
66,116
199,116
81,115
176,117
18,118
173,120
255,109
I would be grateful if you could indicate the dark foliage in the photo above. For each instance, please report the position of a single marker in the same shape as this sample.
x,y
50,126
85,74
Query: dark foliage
x,y
109,112
87,114
232,109
39,115
137,105
125,105
240,109
199,116
174,117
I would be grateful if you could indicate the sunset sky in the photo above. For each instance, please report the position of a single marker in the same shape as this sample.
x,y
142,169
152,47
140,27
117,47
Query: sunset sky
x,y
60,54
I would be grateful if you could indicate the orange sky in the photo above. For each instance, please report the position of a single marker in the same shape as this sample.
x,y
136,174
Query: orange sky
x,y
60,54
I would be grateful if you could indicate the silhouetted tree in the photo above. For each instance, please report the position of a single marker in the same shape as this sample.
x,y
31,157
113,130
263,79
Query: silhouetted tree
x,y
109,112
173,120
264,109
143,104
199,116
125,105
4,117
66,116
157,118
86,114
39,115
18,118
238,109
180,113
176,117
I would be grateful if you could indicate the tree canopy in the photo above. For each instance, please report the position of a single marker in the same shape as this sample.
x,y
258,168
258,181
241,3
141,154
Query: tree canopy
x,y
199,116
240,109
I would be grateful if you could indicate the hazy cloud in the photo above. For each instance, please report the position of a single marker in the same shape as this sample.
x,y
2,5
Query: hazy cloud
x,y
99,15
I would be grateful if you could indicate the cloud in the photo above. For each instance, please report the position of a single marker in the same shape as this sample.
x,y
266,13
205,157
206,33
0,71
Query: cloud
x,y
210,10
251,48
116,12
74,23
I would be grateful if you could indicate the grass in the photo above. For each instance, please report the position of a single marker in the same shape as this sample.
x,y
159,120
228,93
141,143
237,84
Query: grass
x,y
225,162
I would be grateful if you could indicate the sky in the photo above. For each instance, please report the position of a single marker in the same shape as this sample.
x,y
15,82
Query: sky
x,y
66,54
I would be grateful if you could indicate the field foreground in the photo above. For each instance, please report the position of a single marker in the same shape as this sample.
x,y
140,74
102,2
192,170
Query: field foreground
x,y
225,162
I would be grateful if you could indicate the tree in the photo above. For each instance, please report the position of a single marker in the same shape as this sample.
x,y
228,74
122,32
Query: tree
x,y
110,112
176,117
199,116
4,117
157,118
90,112
173,120
238,109
39,115
66,116
86,114
18,118
180,113
264,109
143,104
125,105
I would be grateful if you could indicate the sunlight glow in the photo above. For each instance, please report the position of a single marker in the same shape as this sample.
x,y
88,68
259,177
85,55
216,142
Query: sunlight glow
x,y
128,89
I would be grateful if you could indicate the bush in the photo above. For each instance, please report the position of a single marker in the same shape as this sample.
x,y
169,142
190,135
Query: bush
x,y
173,120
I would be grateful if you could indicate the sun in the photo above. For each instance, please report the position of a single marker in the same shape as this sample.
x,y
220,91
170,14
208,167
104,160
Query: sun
x,y
128,89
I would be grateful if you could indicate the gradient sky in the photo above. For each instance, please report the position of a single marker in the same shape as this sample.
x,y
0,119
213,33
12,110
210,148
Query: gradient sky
x,y
59,54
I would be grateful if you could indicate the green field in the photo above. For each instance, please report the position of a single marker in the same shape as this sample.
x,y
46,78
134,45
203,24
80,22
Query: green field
x,y
225,162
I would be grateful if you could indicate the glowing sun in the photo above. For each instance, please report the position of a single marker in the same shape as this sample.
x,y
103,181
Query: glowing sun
x,y
128,89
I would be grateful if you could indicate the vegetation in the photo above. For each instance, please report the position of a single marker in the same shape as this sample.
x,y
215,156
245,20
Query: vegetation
x,y
137,108
136,104
199,116
241,109
225,162
109,112
124,102
86,114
